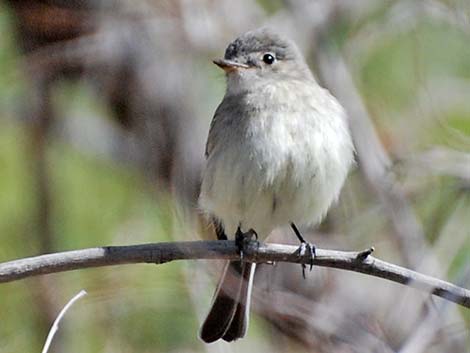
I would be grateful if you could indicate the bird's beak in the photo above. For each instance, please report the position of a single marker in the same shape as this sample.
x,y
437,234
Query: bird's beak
x,y
229,65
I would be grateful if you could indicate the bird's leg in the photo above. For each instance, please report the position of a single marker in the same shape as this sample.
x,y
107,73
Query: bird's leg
x,y
242,238
304,247
239,242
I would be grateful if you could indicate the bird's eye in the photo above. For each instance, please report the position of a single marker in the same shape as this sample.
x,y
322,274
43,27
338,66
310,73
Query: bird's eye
x,y
268,58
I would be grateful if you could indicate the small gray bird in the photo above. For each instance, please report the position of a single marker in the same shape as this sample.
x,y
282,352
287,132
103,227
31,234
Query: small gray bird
x,y
278,153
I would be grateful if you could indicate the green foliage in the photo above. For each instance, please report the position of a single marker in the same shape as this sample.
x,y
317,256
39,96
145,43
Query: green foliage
x,y
395,70
95,203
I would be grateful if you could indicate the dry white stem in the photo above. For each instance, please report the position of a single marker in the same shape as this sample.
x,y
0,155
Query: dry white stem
x,y
55,325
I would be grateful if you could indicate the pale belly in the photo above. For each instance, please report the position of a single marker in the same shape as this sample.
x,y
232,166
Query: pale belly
x,y
276,178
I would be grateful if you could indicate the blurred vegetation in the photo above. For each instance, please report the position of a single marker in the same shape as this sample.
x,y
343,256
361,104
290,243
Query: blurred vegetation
x,y
100,201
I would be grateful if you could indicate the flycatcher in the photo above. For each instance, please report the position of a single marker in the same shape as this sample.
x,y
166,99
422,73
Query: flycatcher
x,y
278,153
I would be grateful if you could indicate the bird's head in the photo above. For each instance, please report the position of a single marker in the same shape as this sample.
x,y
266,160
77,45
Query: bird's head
x,y
261,56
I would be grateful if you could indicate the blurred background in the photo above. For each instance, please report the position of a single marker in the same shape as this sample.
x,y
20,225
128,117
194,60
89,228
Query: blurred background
x,y
104,111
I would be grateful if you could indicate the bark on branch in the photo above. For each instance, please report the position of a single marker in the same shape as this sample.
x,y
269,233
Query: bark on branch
x,y
164,252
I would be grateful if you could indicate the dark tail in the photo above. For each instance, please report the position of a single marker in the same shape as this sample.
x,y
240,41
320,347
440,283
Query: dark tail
x,y
229,314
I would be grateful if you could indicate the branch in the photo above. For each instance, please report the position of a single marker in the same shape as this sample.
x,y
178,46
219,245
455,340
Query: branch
x,y
227,250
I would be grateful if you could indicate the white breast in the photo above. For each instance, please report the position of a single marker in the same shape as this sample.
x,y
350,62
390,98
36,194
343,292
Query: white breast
x,y
282,163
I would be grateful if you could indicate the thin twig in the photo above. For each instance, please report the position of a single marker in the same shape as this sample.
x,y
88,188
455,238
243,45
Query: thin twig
x,y
260,253
55,325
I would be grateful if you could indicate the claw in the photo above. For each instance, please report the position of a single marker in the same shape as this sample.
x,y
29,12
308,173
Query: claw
x,y
313,254
303,250
250,234
304,247
239,241
242,240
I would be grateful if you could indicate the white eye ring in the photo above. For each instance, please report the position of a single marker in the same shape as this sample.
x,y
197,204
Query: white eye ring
x,y
269,58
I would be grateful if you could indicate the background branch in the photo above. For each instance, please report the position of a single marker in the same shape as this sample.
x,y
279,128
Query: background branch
x,y
164,252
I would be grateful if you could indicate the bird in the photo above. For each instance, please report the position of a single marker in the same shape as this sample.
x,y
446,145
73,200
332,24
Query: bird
x,y
278,153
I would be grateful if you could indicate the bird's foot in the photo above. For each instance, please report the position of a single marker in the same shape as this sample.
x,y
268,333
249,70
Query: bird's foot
x,y
239,242
252,233
309,249
242,239
304,248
